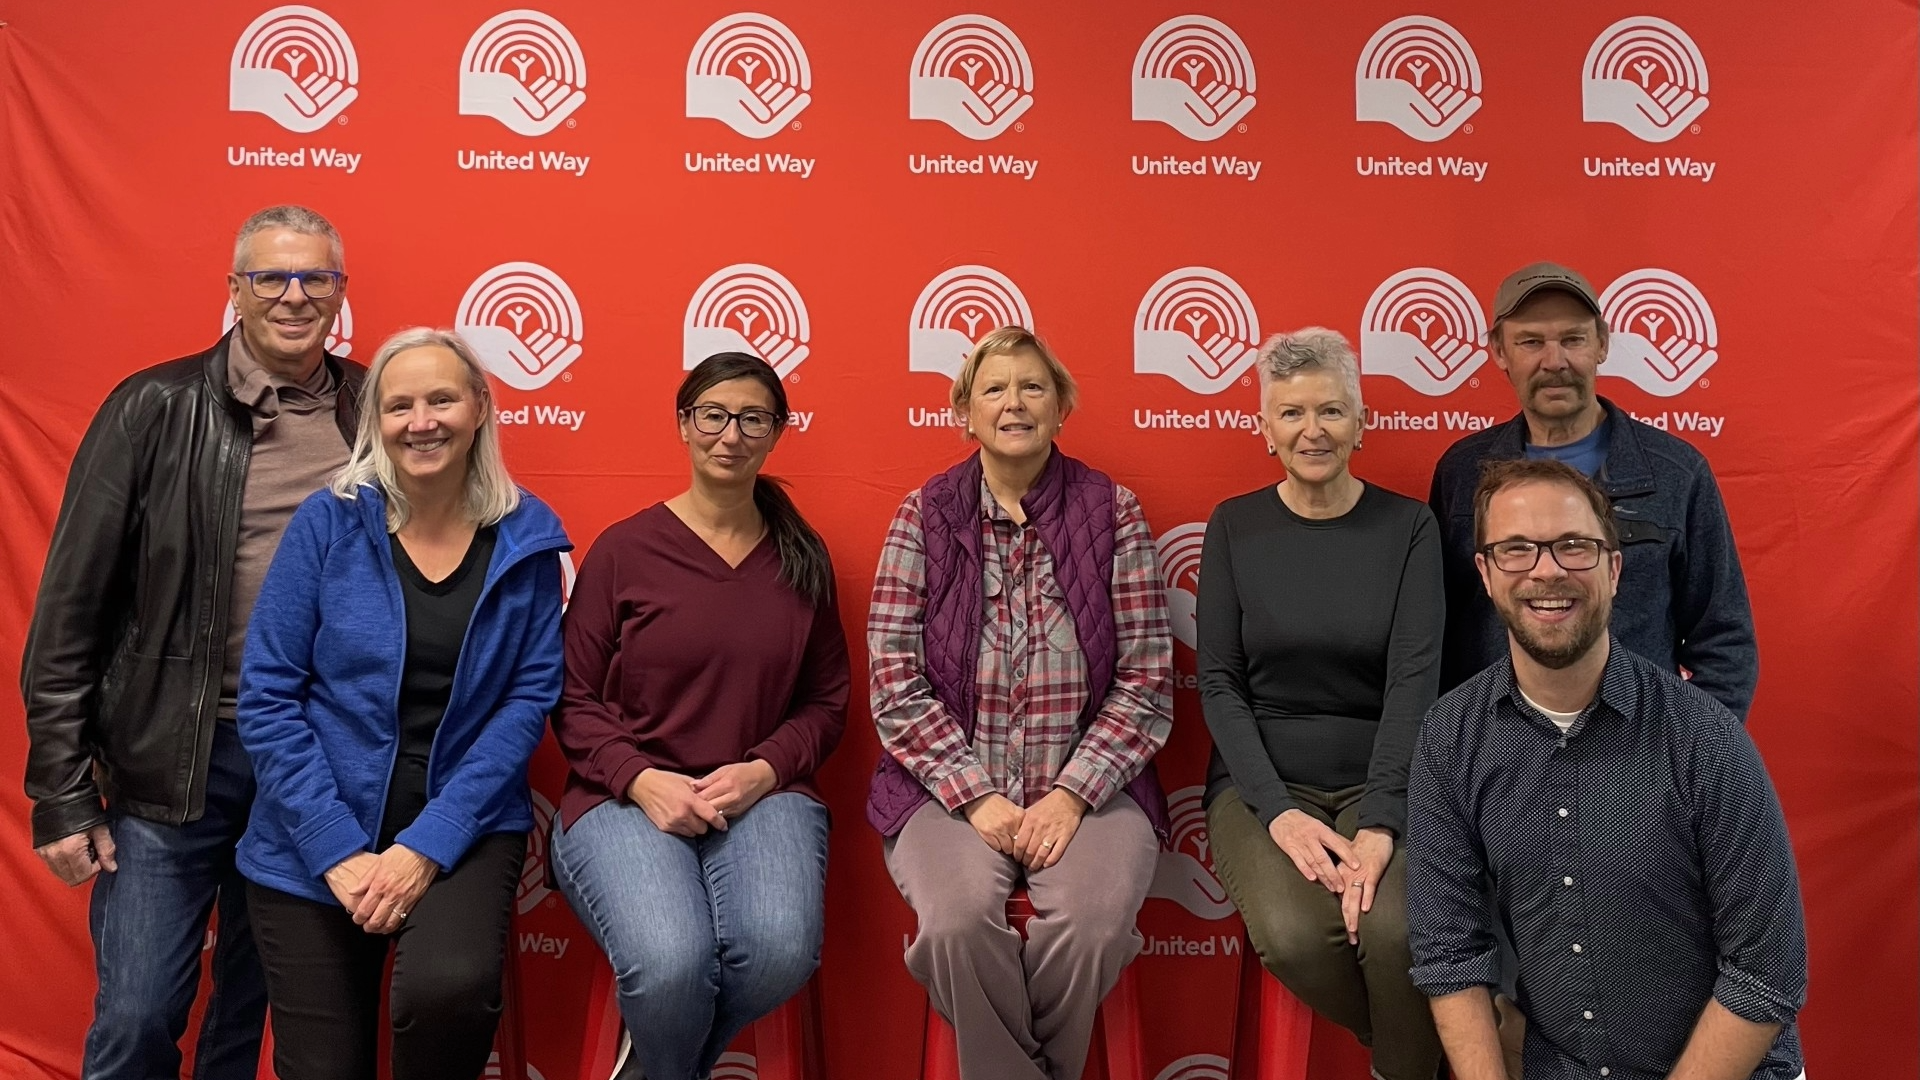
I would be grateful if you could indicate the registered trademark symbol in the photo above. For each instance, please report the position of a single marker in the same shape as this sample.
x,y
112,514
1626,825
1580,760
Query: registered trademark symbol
x,y
1705,383
795,126
1021,126
794,378
566,376
1468,129
572,123
1242,129
1474,382
343,120
1246,380
1695,129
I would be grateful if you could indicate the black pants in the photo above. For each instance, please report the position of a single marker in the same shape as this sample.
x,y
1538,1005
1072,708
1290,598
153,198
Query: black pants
x,y
323,974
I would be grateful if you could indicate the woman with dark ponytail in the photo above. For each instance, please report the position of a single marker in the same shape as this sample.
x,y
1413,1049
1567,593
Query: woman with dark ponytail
x,y
706,682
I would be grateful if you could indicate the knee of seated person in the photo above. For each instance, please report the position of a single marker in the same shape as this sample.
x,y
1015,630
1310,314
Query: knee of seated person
x,y
674,966
787,950
1287,941
453,982
1383,931
959,915
130,1015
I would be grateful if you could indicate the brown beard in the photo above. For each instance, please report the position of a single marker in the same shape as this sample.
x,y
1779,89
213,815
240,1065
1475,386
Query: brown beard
x,y
1582,634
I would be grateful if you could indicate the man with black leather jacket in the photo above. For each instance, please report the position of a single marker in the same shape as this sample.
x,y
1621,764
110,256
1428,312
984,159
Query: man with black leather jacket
x,y
173,508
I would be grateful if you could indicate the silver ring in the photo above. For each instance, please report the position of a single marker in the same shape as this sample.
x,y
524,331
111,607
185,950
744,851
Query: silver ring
x,y
400,912
1048,844
1353,884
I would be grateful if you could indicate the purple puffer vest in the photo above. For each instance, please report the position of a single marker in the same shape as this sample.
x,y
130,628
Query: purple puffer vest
x,y
1072,507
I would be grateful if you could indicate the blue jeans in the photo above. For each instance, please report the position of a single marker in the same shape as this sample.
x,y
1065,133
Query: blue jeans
x,y
706,934
149,920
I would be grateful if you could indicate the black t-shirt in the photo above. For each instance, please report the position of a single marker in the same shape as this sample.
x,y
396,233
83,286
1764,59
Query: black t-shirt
x,y
437,617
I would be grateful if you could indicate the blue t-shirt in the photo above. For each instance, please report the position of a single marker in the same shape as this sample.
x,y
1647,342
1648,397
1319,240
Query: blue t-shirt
x,y
1587,454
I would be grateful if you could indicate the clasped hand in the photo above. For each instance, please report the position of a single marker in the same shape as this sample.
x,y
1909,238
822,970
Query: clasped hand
x,y
690,806
1035,837
380,891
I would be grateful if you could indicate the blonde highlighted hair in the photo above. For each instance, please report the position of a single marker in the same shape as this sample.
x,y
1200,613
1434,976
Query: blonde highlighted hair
x,y
491,494
1012,339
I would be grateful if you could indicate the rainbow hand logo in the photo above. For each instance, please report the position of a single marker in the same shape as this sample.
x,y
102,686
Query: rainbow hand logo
x,y
957,309
296,66
749,72
1663,336
1423,327
542,327
524,69
1198,327
1420,75
972,74
1646,75
747,308
1184,873
1194,74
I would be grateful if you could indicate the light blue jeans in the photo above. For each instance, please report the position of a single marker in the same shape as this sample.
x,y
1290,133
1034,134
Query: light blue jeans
x,y
706,934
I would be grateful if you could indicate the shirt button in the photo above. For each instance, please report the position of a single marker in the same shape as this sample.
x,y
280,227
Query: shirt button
x,y
1604,1071
1563,811
1588,1015
1567,881
1576,946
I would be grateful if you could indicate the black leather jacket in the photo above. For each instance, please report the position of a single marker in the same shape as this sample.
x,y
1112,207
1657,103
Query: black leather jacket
x,y
127,647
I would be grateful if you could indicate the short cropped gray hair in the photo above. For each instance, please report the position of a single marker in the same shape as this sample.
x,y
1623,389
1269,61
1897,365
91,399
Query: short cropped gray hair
x,y
297,218
491,494
1286,355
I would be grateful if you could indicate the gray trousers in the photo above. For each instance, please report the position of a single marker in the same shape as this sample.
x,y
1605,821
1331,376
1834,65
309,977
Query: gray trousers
x,y
1298,932
1022,1010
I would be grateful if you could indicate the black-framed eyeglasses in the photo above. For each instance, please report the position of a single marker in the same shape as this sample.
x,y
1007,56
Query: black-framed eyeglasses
x,y
272,284
1571,552
712,420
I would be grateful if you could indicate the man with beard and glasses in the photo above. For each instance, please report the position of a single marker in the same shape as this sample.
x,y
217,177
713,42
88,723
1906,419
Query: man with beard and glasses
x,y
1683,600
1620,820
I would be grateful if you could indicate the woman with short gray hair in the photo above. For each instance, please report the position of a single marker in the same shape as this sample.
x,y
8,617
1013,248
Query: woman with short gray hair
x,y
1320,615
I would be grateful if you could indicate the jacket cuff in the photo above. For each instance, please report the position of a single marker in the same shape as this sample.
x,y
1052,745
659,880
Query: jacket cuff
x,y
777,759
331,843
962,786
57,819
1096,786
438,837
1270,804
619,762
1383,812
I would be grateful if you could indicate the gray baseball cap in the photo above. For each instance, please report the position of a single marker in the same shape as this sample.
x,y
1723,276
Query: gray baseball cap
x,y
1528,280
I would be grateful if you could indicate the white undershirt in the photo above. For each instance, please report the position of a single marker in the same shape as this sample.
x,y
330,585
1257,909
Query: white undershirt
x,y
1561,720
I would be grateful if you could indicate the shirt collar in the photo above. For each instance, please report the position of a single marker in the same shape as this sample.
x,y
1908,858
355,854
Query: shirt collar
x,y
1619,691
263,392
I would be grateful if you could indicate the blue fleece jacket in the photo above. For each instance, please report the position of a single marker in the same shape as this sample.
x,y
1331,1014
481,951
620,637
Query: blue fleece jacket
x,y
320,687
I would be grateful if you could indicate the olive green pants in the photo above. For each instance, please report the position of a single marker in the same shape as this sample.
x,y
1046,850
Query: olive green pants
x,y
1298,932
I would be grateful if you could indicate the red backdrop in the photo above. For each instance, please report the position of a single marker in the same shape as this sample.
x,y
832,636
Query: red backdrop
x,y
1156,197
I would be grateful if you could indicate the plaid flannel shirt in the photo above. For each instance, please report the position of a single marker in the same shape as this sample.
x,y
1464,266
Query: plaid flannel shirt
x,y
1032,676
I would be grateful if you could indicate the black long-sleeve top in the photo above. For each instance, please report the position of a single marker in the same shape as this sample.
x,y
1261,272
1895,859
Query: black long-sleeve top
x,y
1319,648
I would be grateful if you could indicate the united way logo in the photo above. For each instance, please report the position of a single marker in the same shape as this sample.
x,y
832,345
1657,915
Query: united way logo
x,y
339,339
955,310
1178,552
1420,75
524,69
972,74
297,66
1184,872
749,72
1197,327
1662,335
524,323
1646,75
748,308
1195,75
1196,1067
533,872
734,1065
1423,327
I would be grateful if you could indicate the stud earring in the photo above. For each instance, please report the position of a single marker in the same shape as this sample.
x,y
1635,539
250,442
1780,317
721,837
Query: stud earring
x,y
1271,451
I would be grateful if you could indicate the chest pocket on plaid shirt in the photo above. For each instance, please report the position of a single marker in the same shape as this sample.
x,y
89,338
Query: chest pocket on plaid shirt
x,y
1053,617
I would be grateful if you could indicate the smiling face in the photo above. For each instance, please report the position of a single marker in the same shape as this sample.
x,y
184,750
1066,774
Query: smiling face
x,y
286,336
1312,422
1555,615
1551,348
429,413
1014,407
731,458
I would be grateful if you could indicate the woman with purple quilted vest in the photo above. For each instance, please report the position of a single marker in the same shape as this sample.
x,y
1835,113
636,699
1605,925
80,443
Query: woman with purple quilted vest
x,y
1021,684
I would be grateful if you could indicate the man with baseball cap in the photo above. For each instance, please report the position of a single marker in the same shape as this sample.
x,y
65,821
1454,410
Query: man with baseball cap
x,y
1682,599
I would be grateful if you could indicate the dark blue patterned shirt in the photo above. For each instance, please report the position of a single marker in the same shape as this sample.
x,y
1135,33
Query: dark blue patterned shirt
x,y
1641,858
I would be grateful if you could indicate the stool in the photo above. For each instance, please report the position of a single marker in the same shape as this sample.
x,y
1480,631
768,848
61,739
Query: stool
x,y
1115,1054
786,1041
509,1039
1272,1029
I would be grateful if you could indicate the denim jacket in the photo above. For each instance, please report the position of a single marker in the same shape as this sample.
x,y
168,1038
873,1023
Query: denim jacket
x,y
1682,600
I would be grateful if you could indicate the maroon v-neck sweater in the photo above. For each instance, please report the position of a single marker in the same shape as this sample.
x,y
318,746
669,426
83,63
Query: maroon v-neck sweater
x,y
677,661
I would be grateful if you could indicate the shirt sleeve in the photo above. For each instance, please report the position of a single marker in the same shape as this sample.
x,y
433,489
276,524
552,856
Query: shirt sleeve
x,y
1449,925
913,724
1712,616
1133,723
593,732
1413,678
817,714
1226,692
1753,888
